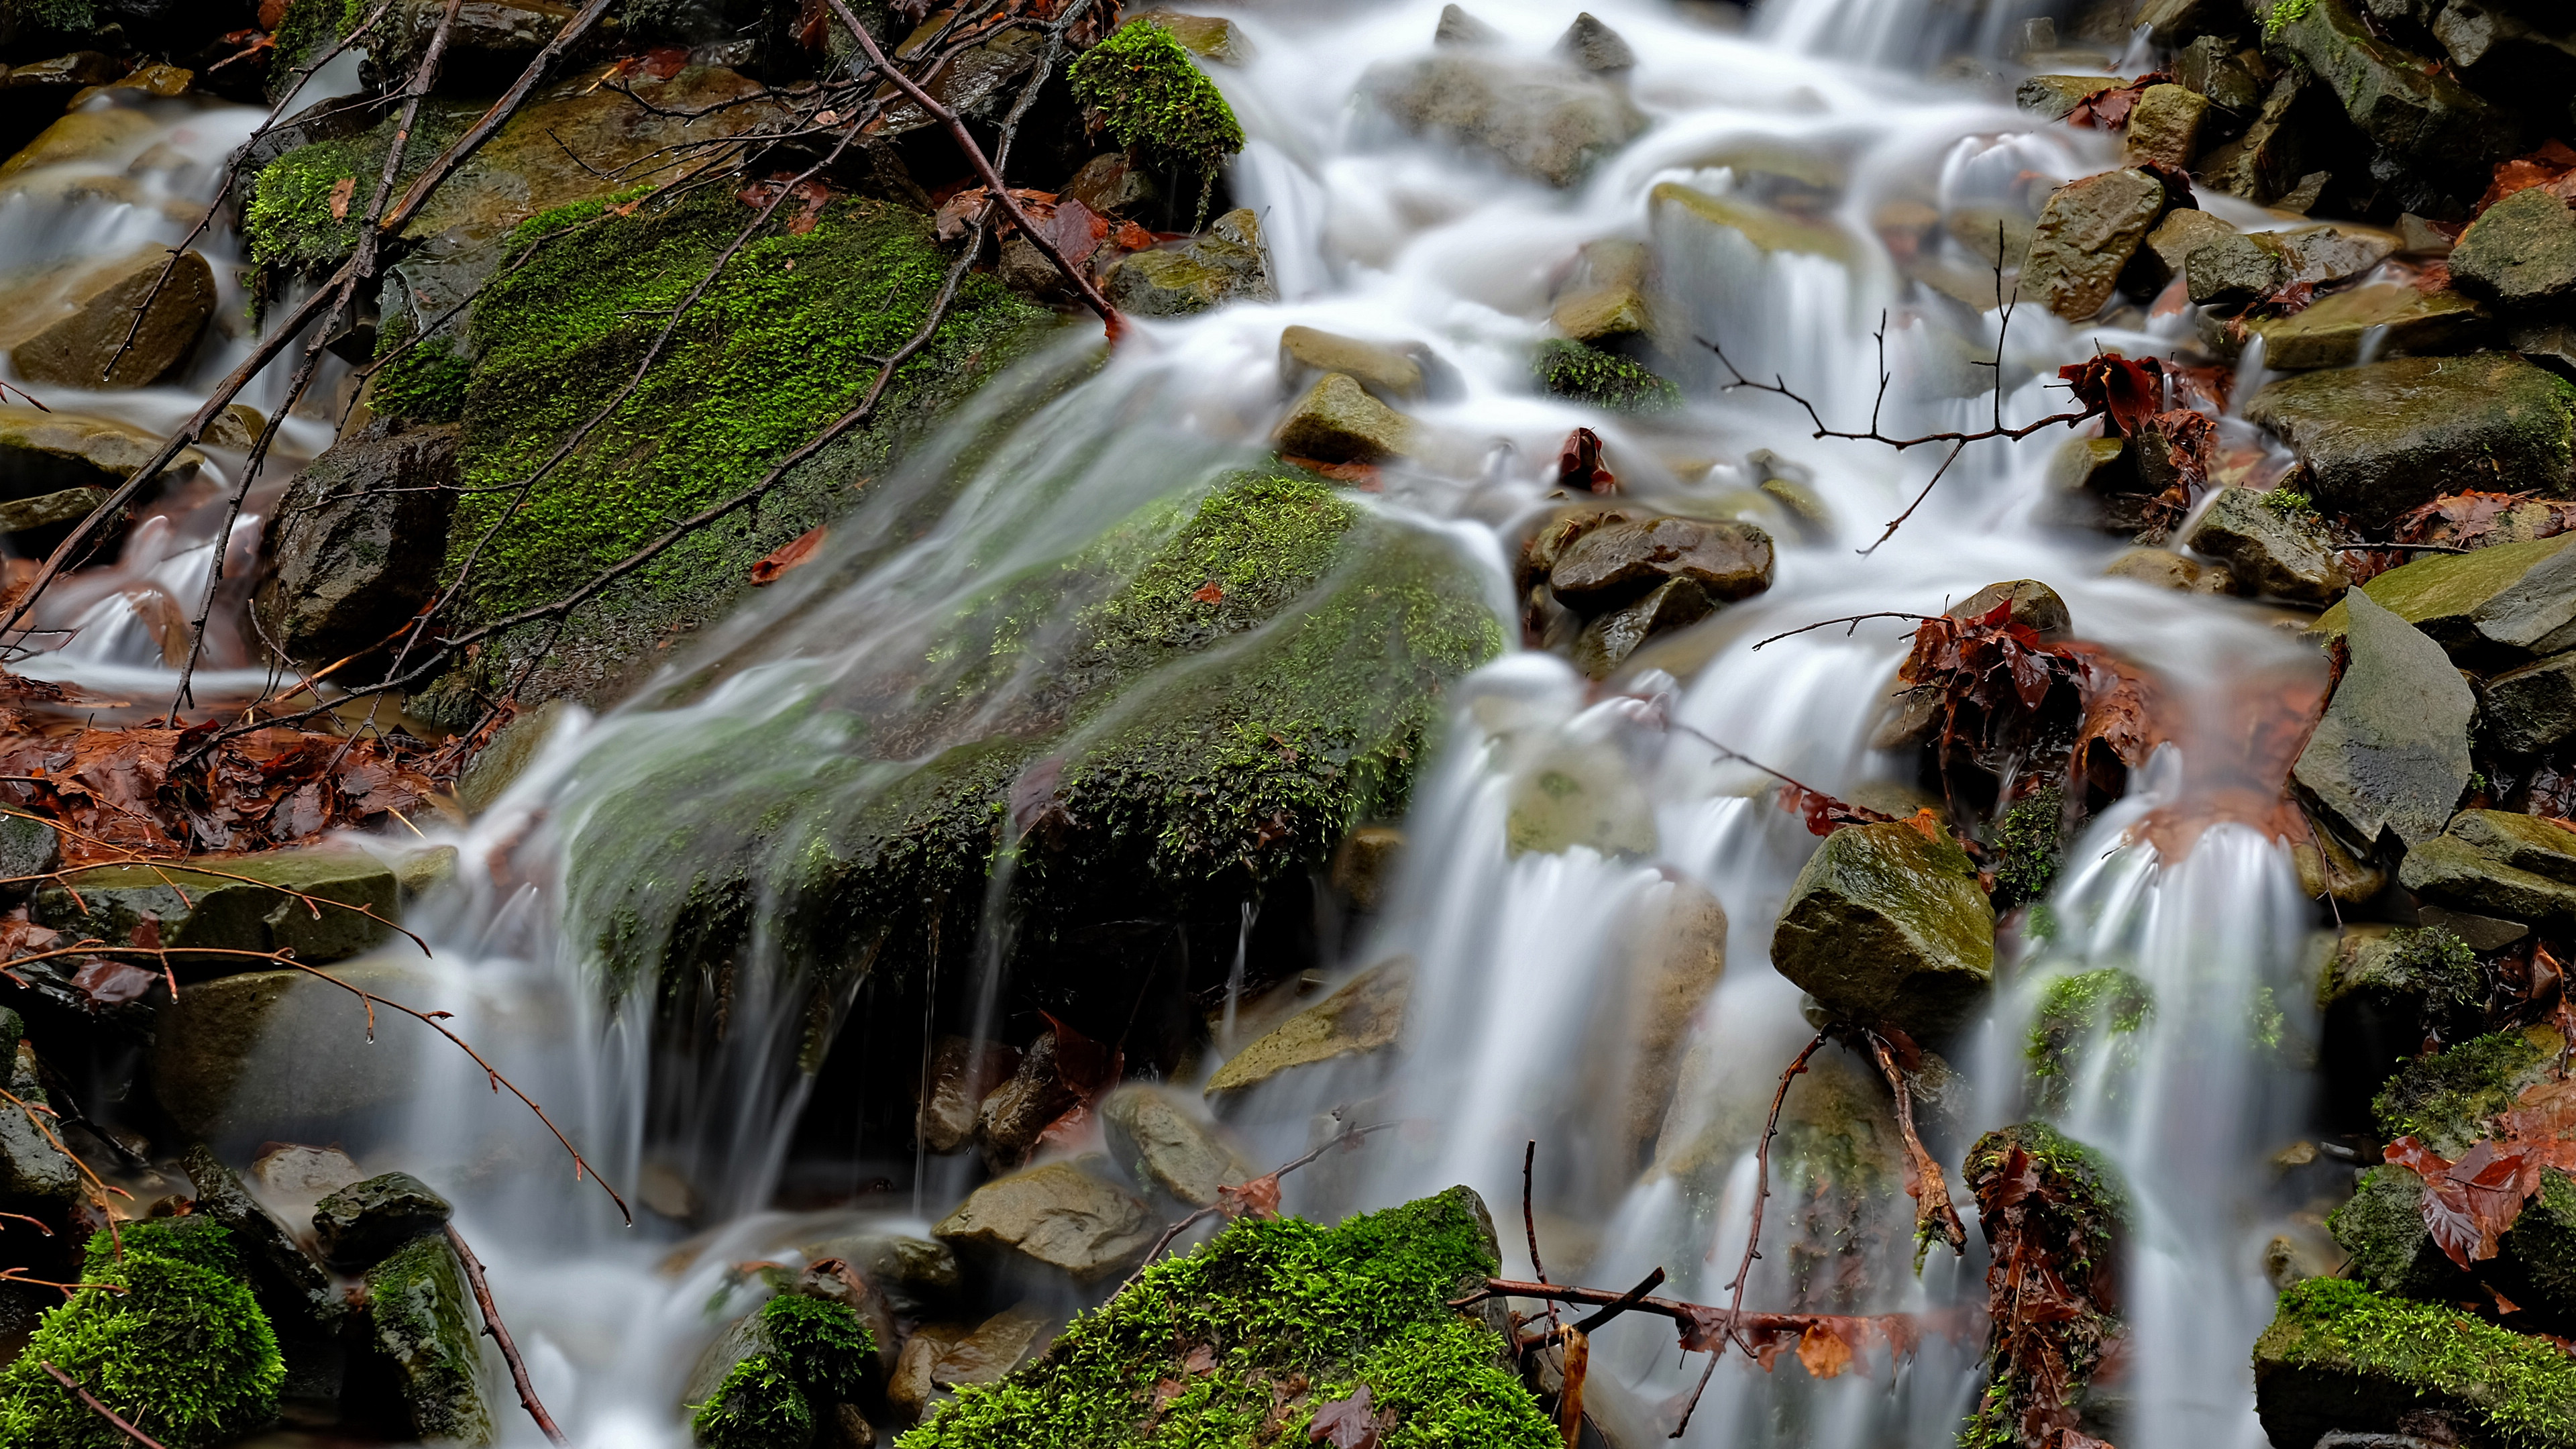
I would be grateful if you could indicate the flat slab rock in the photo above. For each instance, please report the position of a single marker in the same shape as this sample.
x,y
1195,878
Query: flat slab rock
x,y
1058,1216
2392,751
2379,440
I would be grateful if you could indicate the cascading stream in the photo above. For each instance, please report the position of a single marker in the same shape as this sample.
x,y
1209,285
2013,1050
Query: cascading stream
x,y
1522,959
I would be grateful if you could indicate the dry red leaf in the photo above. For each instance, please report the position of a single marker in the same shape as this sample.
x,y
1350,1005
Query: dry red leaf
x,y
788,555
113,983
1822,1352
1579,467
1200,1359
1345,1423
2128,390
1210,592
1258,1198
2553,162
2108,108
341,191
1823,813
2470,1203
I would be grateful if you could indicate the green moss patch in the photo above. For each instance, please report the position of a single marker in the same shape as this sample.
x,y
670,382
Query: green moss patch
x,y
810,1354
2331,1332
1278,1318
2444,1100
184,1353
288,223
1603,379
1157,102
1210,692
2075,1012
2029,846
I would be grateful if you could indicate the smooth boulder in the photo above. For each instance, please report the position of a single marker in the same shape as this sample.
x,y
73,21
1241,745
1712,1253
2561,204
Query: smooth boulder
x,y
2378,440
1887,923
1160,1143
2529,709
1057,1216
1338,422
71,328
283,1055
362,1224
1621,561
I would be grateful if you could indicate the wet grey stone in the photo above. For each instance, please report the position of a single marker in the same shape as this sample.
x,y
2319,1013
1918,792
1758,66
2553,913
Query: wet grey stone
x,y
2521,253
2380,439
2285,555
358,543
2235,268
2085,236
1885,924
1160,1143
364,1222
2454,873
2530,709
2392,751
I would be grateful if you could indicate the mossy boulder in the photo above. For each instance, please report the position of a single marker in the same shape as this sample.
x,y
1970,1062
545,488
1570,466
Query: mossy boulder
x,y
1208,693
2521,252
2380,439
1887,923
1607,380
2445,1100
2339,1356
423,1355
1272,1313
1152,97
246,908
2386,319
776,1374
784,341
2393,1252
183,1350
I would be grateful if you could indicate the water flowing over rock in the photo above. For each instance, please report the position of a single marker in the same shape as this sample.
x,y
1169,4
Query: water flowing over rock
x,y
2392,752
1887,924
79,329
1364,1016
1547,121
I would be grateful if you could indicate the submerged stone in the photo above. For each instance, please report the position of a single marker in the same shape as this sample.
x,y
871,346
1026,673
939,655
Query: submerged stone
x,y
46,452
1761,227
2387,319
2380,439
1386,371
1366,1015
1888,924
1160,1143
1056,1216
2392,751
1365,1302
1606,643
1552,122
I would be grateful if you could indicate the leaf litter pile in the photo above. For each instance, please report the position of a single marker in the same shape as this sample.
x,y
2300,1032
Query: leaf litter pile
x,y
151,790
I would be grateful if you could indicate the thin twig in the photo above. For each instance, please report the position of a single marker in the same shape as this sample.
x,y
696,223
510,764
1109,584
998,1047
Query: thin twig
x,y
1854,620
429,180
1529,1219
1925,1181
500,1333
1762,1181
102,1410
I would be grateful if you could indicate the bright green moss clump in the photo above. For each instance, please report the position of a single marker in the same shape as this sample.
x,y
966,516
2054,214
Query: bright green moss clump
x,y
1277,1306
1219,686
1604,379
2077,1010
185,1354
288,223
1157,102
809,1354
782,343
424,384
2028,849
2523,1388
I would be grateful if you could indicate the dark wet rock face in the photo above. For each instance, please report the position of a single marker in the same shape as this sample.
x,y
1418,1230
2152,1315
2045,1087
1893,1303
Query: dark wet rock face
x,y
2378,440
2392,752
359,541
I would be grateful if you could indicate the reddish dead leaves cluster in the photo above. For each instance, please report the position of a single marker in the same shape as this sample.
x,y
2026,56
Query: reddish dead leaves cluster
x,y
1076,230
1826,1343
153,791
2471,1203
803,204
1579,468
2108,108
2552,166
2048,1294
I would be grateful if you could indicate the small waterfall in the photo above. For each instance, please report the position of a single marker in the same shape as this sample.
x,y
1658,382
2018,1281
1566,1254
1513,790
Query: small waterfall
x,y
648,861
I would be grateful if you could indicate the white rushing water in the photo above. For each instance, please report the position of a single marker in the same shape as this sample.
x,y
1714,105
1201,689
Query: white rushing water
x,y
1524,963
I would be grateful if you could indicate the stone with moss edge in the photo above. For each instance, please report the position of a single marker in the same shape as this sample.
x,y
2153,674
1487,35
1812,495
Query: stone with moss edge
x,y
421,1326
185,1348
1366,1015
1338,422
2505,595
2379,439
1888,924
194,910
2339,1356
2521,251
1362,1303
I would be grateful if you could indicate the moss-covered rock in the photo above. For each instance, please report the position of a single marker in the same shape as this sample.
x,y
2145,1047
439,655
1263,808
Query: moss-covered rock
x,y
1156,102
776,1374
2048,1204
2444,1100
183,1351
1272,1308
1209,693
1570,369
2380,439
786,340
1886,923
420,1327
2339,1356
2076,1012
193,911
